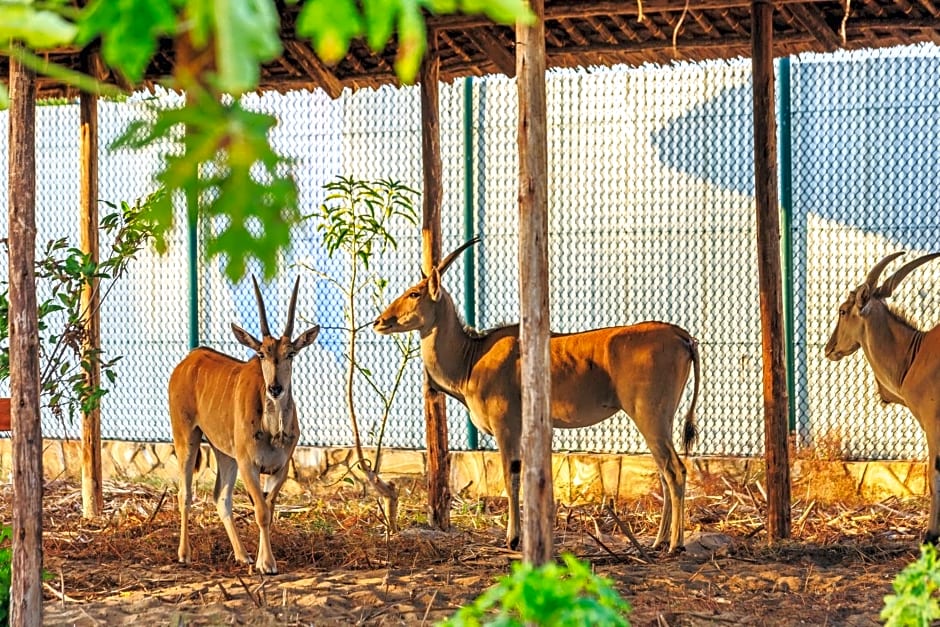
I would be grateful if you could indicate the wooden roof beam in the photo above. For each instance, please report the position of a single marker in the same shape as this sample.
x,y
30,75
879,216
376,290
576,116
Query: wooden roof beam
x,y
581,10
816,26
493,48
930,7
314,67
602,30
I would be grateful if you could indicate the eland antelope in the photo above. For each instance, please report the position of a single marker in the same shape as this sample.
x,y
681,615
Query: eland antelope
x,y
245,409
642,369
904,359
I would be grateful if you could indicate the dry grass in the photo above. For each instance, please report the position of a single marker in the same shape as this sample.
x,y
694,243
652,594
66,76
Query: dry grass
x,y
338,566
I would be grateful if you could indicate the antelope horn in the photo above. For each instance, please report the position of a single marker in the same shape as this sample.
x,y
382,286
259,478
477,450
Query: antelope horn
x,y
872,279
442,266
264,318
289,327
892,282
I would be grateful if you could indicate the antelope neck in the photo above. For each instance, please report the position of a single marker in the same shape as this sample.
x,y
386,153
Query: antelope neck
x,y
447,350
892,351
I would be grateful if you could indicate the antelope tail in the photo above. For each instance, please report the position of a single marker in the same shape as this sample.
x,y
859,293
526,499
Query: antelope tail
x,y
689,430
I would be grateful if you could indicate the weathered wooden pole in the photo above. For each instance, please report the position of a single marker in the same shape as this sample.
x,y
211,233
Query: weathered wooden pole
x,y
769,274
435,408
539,503
92,498
26,588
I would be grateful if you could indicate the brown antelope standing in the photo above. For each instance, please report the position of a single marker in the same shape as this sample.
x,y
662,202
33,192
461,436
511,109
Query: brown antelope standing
x,y
641,369
905,360
245,409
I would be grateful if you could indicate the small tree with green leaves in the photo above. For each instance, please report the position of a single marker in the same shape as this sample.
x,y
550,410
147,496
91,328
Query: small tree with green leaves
x,y
560,595
914,602
66,358
354,221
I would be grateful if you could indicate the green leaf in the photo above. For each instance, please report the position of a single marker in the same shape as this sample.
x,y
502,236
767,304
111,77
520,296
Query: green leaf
x,y
412,41
330,25
37,28
4,98
379,17
129,30
247,34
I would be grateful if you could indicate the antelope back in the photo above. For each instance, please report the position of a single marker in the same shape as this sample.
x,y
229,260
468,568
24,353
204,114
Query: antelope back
x,y
276,353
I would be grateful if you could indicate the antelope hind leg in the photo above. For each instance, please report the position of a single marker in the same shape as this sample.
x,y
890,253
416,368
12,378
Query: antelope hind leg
x,y
933,479
186,452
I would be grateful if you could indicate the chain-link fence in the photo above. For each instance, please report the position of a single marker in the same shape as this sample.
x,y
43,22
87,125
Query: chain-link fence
x,y
652,217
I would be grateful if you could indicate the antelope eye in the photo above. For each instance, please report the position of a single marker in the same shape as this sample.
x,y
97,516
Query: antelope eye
x,y
842,312
414,294
260,355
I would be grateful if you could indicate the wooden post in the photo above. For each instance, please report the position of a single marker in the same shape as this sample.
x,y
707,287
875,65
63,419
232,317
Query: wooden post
x,y
539,503
435,408
92,498
26,588
768,262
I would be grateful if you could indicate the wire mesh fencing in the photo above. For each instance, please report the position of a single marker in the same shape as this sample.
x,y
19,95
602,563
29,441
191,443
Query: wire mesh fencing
x,y
651,217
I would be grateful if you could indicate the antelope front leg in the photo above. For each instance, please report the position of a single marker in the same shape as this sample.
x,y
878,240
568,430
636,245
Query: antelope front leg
x,y
265,563
224,485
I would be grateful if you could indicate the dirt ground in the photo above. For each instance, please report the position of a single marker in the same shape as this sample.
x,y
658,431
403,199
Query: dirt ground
x,y
338,568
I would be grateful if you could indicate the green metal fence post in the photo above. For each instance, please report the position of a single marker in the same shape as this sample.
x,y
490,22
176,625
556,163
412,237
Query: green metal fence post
x,y
193,281
784,143
469,270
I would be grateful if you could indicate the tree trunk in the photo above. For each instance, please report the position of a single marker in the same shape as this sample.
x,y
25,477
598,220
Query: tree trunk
x,y
768,262
435,409
26,588
539,504
92,498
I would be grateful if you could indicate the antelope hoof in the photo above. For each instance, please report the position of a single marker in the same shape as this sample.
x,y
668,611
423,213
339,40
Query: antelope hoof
x,y
266,569
931,537
513,543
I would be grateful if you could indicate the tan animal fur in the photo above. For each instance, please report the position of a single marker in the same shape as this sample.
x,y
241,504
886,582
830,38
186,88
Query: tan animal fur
x,y
245,409
641,369
904,359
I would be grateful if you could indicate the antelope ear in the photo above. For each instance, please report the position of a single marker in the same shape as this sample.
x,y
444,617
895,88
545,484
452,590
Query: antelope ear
x,y
245,338
862,298
306,338
434,285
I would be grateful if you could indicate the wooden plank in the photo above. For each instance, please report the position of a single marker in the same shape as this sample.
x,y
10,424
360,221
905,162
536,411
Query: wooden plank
x,y
310,63
769,275
435,409
816,26
538,503
26,588
92,496
503,59
580,10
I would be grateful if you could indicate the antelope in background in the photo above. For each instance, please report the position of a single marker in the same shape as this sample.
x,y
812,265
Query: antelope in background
x,y
245,409
641,369
905,360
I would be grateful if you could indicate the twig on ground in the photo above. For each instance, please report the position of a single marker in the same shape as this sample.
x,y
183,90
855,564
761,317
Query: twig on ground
x,y
626,531
248,591
424,619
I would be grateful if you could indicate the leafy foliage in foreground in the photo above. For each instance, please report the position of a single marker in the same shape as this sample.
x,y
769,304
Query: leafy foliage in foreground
x,y
561,595
914,601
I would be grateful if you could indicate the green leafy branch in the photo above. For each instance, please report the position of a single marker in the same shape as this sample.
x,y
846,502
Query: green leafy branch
x,y
355,221
67,360
551,594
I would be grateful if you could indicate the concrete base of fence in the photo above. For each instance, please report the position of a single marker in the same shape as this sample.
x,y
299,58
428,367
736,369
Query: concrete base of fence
x,y
578,477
